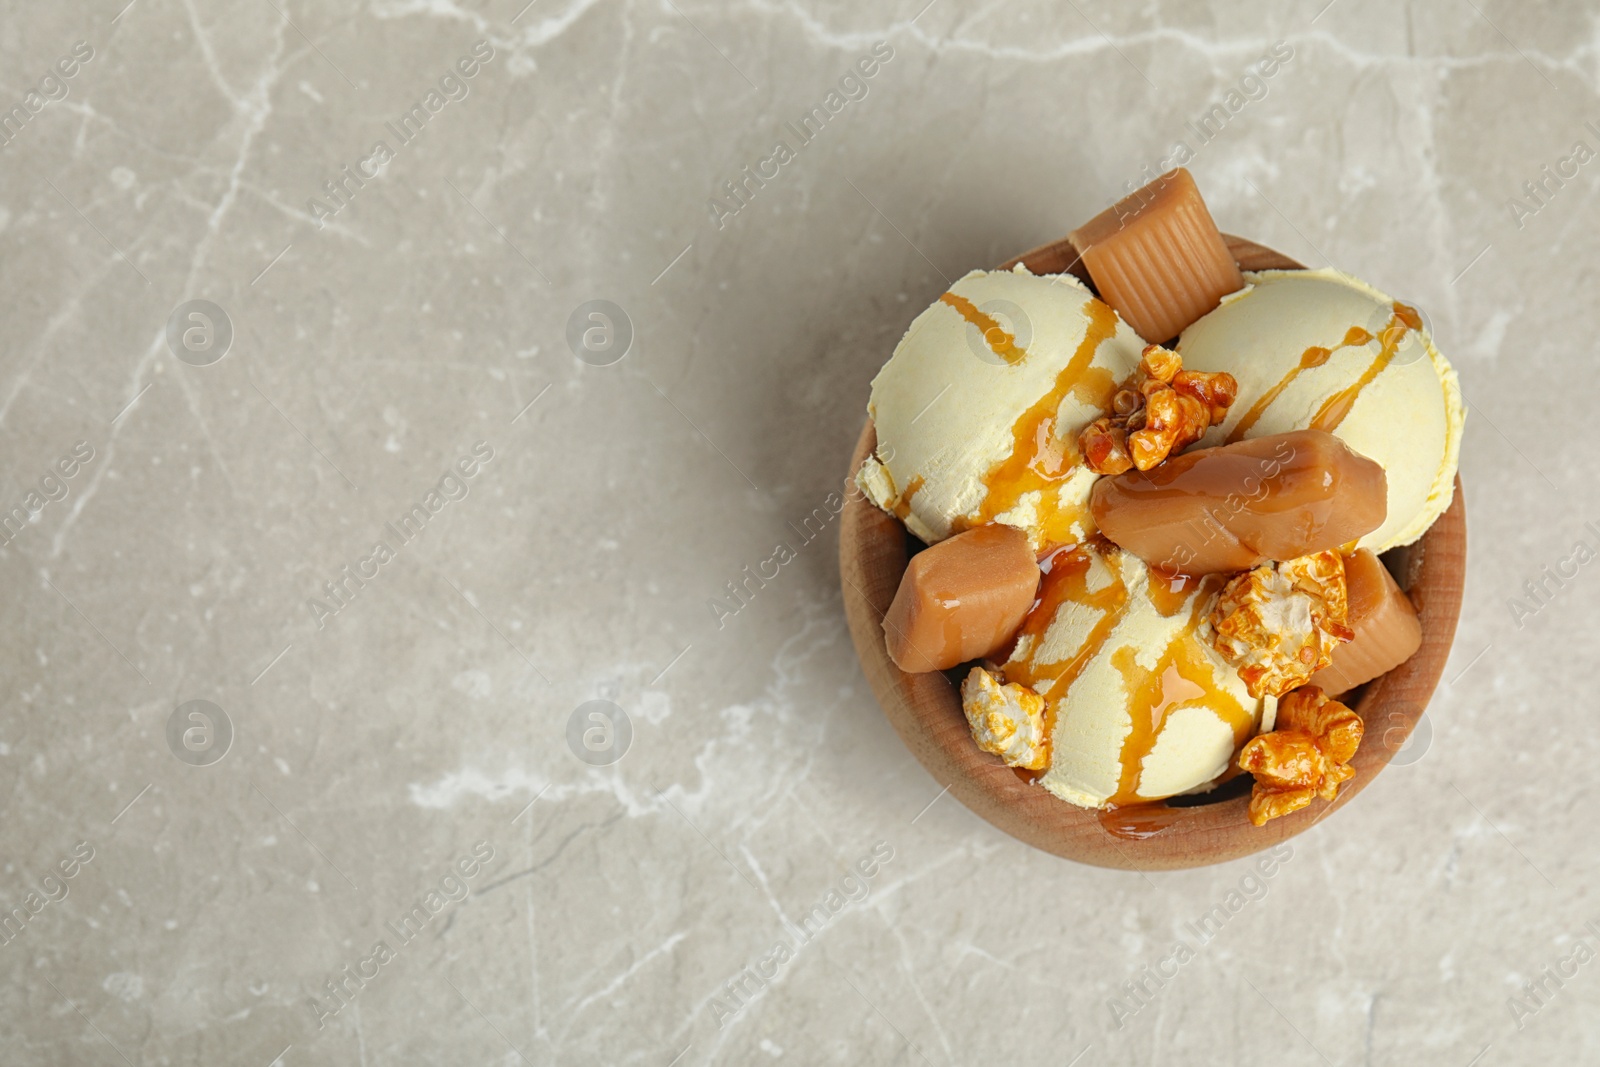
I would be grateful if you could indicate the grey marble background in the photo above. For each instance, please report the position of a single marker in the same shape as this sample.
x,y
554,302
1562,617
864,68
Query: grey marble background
x,y
377,743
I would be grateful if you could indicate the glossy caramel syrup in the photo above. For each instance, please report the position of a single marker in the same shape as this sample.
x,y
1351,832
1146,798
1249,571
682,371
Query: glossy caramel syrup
x,y
1042,456
999,340
1336,407
1183,674
1333,411
1137,822
902,502
1066,581
1311,357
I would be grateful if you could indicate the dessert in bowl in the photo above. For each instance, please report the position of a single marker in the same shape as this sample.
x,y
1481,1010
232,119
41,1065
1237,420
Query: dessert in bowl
x,y
1116,569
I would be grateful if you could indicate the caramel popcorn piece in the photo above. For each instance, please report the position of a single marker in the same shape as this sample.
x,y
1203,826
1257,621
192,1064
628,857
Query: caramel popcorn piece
x,y
1007,720
1162,364
1168,410
1104,445
1279,624
1307,756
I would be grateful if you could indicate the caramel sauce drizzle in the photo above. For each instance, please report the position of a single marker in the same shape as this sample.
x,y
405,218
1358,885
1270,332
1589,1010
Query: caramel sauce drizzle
x,y
1182,674
1066,579
1000,342
1041,456
1336,407
902,502
1311,357
1138,822
1169,592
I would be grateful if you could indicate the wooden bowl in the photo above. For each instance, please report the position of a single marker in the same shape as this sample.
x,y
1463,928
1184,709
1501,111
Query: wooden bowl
x,y
925,709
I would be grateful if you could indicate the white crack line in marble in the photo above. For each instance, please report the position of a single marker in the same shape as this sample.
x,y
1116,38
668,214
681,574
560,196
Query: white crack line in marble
x,y
1216,50
532,36
313,46
666,800
71,313
713,44
576,1008
530,804
908,972
1136,68
255,109
875,902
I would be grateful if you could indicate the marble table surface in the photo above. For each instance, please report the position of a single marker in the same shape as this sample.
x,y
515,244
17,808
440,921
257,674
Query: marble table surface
x,y
390,392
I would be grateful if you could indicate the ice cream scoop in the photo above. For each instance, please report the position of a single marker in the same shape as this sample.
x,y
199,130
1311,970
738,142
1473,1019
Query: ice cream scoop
x,y
1137,706
979,410
1320,350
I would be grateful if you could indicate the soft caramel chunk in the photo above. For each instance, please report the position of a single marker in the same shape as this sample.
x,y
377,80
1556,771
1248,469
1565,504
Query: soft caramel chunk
x,y
1278,625
1157,257
1307,756
1385,624
1237,506
961,599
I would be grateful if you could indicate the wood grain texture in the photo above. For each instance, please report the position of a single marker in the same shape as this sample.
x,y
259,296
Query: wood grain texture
x,y
925,709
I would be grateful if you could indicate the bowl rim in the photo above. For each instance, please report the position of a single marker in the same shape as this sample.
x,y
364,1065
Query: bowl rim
x,y
925,709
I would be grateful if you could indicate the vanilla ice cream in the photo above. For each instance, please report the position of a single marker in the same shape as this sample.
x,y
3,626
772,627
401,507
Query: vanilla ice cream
x,y
1320,350
979,410
1137,706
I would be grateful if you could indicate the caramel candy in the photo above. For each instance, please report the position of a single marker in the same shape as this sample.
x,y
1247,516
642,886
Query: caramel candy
x,y
1157,257
1237,506
961,599
1385,624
